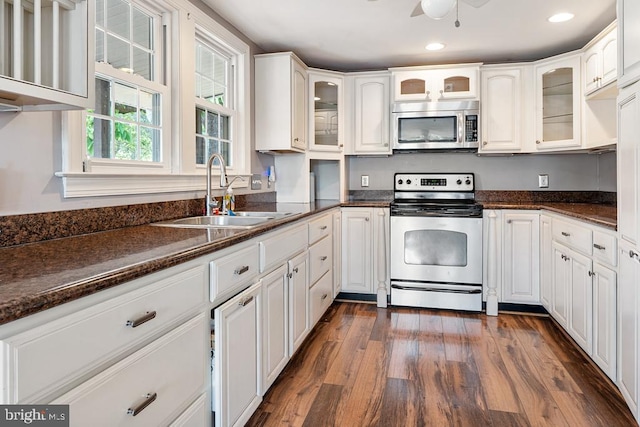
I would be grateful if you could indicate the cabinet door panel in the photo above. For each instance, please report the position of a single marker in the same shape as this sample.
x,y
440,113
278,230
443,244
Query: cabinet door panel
x,y
604,319
546,256
275,314
561,277
521,258
356,250
501,110
371,115
581,298
298,301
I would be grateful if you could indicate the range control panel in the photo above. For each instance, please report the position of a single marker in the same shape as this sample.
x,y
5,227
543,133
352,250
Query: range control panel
x,y
434,182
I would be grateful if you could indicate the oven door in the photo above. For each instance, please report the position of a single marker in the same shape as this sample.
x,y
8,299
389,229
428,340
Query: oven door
x,y
436,249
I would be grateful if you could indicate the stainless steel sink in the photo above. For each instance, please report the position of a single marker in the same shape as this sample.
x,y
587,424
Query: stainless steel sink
x,y
242,220
262,214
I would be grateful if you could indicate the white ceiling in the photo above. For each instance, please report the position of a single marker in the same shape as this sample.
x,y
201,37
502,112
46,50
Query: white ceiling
x,y
352,35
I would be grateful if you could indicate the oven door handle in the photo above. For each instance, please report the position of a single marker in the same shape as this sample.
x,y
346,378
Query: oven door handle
x,y
447,290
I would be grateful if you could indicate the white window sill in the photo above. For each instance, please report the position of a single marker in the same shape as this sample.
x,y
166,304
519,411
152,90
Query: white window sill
x,y
84,184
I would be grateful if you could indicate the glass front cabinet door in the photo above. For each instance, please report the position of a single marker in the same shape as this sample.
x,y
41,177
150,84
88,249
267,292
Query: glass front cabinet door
x,y
558,101
326,118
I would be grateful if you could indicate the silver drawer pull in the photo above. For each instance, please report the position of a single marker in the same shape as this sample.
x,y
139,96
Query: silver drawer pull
x,y
143,319
565,234
245,301
323,258
600,247
295,270
324,227
633,254
148,400
324,297
241,270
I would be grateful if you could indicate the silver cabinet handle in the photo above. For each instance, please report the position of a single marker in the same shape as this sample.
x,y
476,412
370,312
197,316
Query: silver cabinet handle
x,y
324,297
508,221
538,141
484,142
241,270
295,270
366,219
142,319
591,273
323,258
633,254
324,227
148,400
290,275
599,247
245,301
565,234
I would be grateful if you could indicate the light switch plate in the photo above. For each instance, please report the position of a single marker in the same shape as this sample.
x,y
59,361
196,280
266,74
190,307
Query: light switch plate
x,y
364,180
543,181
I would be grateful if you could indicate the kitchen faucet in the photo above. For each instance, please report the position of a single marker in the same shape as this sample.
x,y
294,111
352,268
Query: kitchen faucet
x,y
210,201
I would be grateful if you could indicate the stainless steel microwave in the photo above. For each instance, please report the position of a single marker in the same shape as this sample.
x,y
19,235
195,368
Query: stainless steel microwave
x,y
441,125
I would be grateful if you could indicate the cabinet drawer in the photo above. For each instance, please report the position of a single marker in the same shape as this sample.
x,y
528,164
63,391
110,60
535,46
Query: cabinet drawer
x,y
229,273
171,368
48,357
276,249
605,247
572,235
320,297
320,259
320,228
196,415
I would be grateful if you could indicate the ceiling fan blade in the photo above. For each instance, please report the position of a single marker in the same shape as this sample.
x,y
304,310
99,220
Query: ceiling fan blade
x,y
418,10
476,3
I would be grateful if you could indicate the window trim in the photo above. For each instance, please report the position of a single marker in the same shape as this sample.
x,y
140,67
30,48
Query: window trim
x,y
85,179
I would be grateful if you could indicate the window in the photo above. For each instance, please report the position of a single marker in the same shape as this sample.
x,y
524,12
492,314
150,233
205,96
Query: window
x,y
127,123
172,86
214,102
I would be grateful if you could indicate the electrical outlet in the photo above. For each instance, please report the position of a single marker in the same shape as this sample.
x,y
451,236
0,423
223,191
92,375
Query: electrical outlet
x,y
364,180
543,181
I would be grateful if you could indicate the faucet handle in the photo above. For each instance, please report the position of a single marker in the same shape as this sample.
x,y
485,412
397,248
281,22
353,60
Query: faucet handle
x,y
213,202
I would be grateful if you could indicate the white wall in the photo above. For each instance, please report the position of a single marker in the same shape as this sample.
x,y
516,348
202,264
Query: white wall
x,y
567,172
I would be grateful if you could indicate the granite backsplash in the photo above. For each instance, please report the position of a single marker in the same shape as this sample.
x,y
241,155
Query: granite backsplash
x,y
31,228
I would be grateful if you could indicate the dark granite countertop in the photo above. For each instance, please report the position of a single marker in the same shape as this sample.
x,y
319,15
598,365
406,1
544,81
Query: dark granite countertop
x,y
595,213
38,276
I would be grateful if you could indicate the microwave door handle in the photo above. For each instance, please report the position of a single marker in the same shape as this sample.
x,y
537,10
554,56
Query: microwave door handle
x,y
460,128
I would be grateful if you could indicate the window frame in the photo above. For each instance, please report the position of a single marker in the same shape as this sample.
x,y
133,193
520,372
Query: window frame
x,y
179,173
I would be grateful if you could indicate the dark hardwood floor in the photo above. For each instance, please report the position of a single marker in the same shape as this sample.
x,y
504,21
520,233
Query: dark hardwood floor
x,y
365,366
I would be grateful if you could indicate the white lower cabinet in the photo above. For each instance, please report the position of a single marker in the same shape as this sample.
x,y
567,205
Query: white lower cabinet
x,y
365,257
628,330
521,270
275,316
298,301
546,258
150,387
236,358
605,292
196,415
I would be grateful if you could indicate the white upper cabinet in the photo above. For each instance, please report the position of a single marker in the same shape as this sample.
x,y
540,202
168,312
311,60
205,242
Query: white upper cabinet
x,y
628,42
599,61
280,103
435,83
502,109
370,120
326,111
46,54
628,152
558,103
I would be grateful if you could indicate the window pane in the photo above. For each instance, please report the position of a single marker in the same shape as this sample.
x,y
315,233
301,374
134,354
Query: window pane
x,y
125,102
201,121
99,46
206,63
225,150
126,141
212,148
149,108
142,29
142,63
220,95
212,124
98,138
149,144
224,127
103,97
118,53
206,89
200,151
118,19
100,13
220,70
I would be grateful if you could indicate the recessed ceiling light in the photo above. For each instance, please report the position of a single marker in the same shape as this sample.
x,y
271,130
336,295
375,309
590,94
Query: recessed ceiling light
x,y
434,46
561,17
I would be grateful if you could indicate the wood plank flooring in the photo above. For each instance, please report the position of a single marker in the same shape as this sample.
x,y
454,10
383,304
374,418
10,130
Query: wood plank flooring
x,y
365,366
